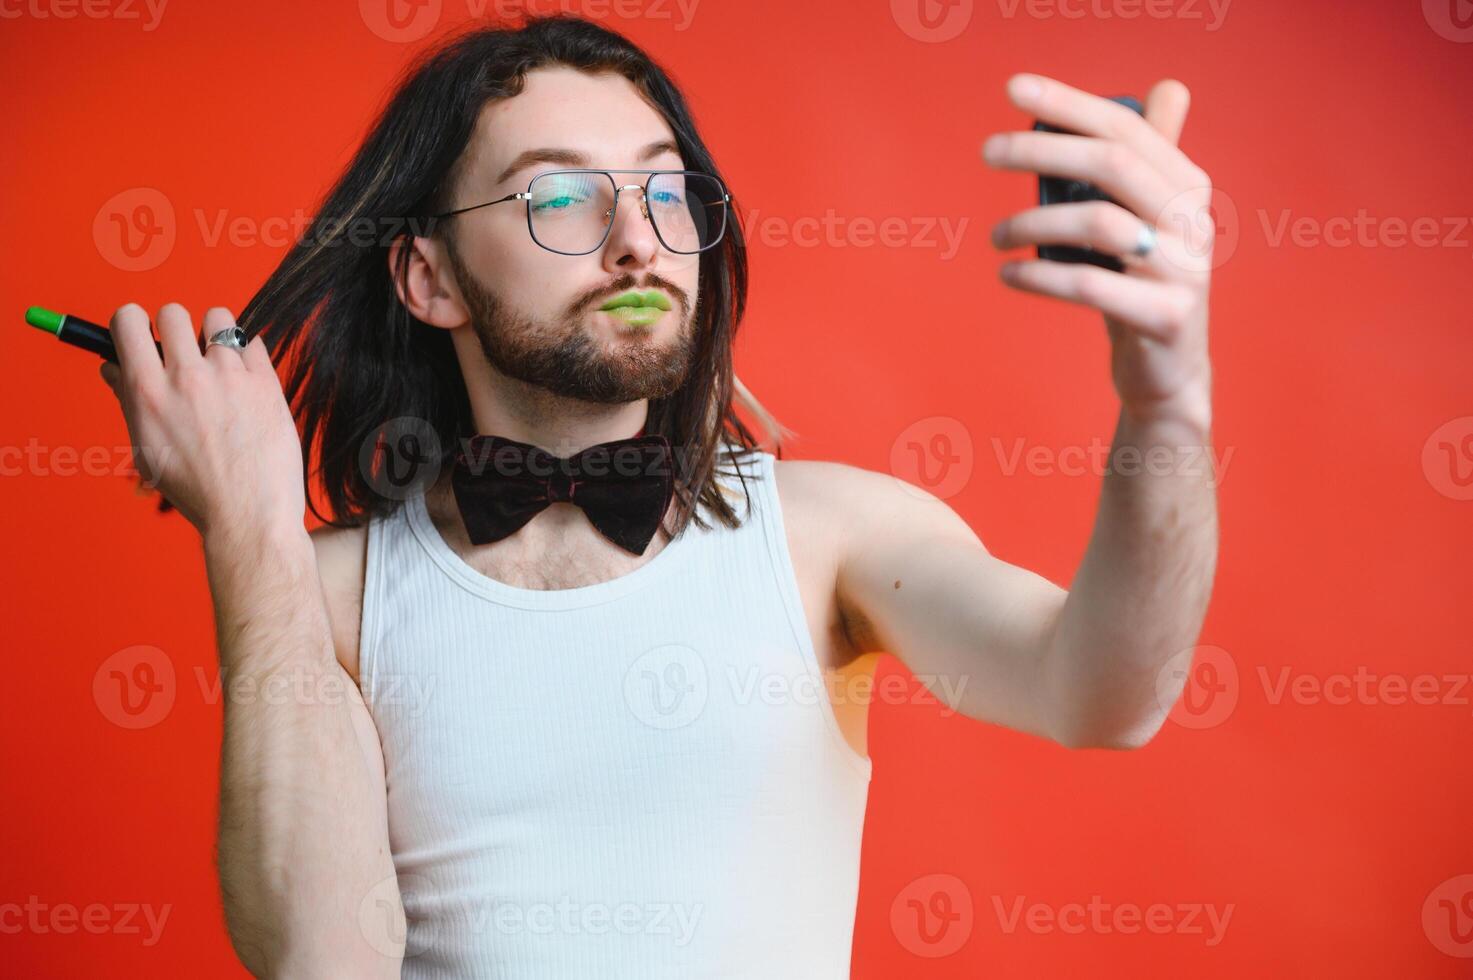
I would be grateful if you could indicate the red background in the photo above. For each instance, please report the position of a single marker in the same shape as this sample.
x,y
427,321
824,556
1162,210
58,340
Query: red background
x,y
1325,826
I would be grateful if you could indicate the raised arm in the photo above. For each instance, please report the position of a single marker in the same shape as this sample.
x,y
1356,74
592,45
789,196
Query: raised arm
x,y
303,853
1098,665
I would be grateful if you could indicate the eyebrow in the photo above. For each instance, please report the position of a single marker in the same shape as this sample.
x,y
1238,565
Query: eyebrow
x,y
573,158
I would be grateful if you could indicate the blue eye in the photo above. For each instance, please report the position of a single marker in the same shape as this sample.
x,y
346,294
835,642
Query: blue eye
x,y
561,193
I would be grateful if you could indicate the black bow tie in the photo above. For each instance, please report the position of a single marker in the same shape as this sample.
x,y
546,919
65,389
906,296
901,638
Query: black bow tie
x,y
623,486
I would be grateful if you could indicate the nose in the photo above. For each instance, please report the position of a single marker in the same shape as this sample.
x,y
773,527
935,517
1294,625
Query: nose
x,y
632,239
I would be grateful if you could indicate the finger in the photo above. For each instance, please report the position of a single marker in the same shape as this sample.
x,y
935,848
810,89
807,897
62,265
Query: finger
x,y
1090,115
1166,108
176,333
219,318
1100,225
137,356
1153,309
256,357
1118,170
110,375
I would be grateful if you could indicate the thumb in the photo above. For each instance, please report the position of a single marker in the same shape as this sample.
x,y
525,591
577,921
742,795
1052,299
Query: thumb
x,y
1166,108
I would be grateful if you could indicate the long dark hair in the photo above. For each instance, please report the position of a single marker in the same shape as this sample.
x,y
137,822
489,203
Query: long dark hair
x,y
356,360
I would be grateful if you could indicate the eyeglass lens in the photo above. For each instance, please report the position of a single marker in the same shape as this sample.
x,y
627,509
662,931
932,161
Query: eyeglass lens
x,y
571,210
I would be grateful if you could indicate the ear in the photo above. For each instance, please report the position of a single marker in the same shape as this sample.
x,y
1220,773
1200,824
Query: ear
x,y
1166,108
427,289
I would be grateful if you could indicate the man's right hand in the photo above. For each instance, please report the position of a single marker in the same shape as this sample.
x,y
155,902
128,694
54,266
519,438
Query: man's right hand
x,y
211,430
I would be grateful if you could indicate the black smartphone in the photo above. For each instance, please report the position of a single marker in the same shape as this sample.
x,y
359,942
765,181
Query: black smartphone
x,y
1061,190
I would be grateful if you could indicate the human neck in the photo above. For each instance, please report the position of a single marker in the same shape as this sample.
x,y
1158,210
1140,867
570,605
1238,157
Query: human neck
x,y
559,425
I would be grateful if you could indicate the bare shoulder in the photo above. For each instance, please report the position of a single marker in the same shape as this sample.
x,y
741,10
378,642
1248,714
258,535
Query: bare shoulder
x,y
808,490
850,501
341,558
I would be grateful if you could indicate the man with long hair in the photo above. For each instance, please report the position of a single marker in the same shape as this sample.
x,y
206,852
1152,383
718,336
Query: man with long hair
x,y
577,612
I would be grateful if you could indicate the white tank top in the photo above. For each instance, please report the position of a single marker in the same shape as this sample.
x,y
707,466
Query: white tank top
x,y
641,778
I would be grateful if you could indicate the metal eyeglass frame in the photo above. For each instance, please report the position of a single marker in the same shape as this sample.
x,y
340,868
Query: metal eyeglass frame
x,y
614,211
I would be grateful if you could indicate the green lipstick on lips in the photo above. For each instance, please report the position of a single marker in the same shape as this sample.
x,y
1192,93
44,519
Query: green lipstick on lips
x,y
638,309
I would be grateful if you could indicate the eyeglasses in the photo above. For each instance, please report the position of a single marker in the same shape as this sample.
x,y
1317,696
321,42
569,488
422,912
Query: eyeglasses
x,y
571,211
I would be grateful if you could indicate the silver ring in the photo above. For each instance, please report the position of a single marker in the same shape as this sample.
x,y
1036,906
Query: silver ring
x,y
229,337
1145,242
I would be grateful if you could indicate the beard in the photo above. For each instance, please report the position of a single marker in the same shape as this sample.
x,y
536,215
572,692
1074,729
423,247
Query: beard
x,y
564,357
